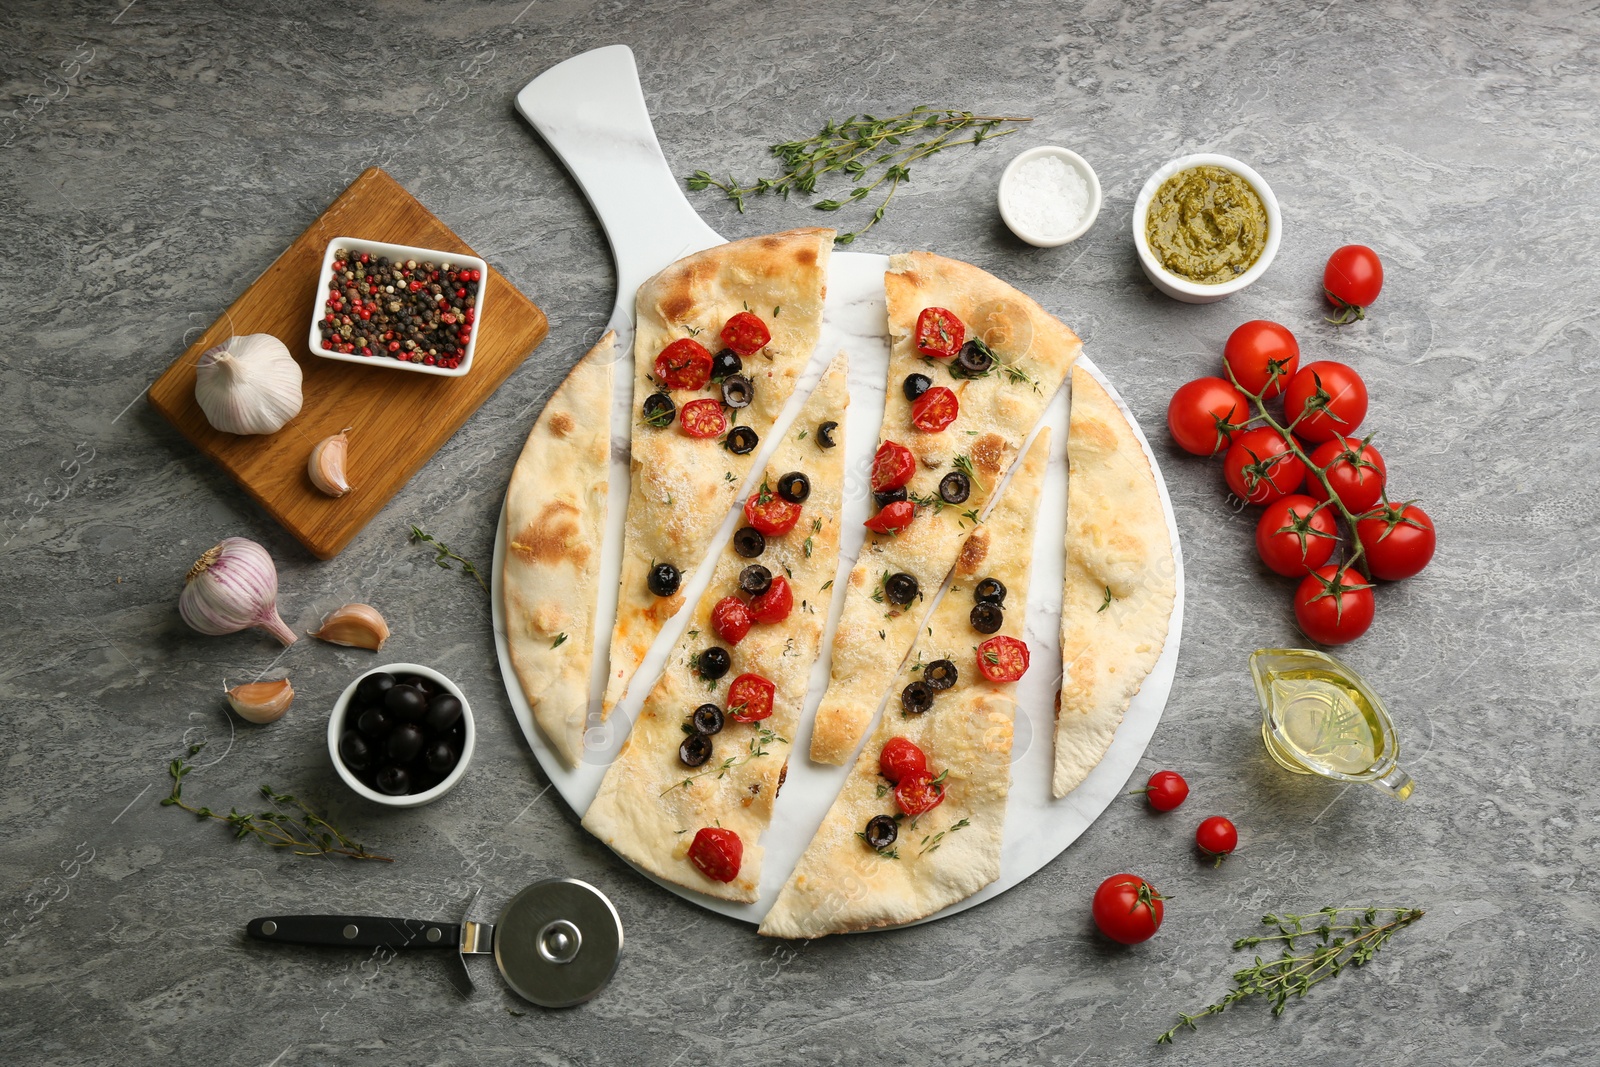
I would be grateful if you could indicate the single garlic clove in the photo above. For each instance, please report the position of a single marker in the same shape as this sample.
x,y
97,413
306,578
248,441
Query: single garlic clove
x,y
327,463
355,625
262,702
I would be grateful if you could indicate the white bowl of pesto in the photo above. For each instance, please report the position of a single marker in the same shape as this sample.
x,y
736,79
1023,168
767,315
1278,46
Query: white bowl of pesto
x,y
1204,263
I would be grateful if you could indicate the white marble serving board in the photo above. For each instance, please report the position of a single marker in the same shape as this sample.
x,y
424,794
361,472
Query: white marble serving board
x,y
590,110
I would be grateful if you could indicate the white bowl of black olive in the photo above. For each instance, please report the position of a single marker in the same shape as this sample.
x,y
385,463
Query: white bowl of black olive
x,y
401,735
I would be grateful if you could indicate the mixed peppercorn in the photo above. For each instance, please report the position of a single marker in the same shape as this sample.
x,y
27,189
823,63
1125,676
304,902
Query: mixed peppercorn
x,y
416,312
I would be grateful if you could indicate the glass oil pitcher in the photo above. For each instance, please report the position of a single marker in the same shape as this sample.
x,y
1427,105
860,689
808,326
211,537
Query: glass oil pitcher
x,y
1319,717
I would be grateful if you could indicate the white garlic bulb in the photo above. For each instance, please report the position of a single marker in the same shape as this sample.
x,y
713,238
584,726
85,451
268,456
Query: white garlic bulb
x,y
248,384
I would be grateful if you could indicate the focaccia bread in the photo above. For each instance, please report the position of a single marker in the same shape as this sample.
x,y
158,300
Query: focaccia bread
x,y
682,486
844,883
555,524
1120,581
651,804
1032,352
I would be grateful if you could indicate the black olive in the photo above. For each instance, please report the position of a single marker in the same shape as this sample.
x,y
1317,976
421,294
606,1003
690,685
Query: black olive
x,y
916,384
794,487
755,579
405,742
974,360
916,698
695,750
706,720
354,751
738,391
889,496
954,488
659,410
741,440
393,781
990,591
664,579
370,690
881,831
444,711
375,723
825,434
940,675
901,588
714,663
405,703
441,757
749,542
986,618
725,364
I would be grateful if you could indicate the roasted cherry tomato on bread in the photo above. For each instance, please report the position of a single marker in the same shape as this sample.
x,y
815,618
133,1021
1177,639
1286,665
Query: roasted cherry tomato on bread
x,y
718,853
730,620
939,333
1263,356
892,466
1127,909
1294,537
1397,541
935,409
1354,469
1217,837
1165,790
1259,466
750,698
901,759
1205,413
892,517
773,516
684,364
1352,280
775,604
702,418
1325,400
745,333
1332,608
1003,659
918,794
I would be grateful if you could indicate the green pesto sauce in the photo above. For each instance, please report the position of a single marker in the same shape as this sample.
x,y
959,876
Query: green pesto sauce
x,y
1206,224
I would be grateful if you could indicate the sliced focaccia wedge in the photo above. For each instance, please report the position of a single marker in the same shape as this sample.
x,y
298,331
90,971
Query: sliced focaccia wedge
x,y
982,361
555,523
1120,581
721,337
692,790
918,825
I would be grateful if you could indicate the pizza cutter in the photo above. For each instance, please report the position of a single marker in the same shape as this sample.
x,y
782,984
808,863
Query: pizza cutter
x,y
556,943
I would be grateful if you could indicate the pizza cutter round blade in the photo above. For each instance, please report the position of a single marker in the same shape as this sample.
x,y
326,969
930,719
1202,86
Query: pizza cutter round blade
x,y
556,943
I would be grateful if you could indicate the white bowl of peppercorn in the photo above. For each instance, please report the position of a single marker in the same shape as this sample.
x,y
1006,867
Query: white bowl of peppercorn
x,y
398,306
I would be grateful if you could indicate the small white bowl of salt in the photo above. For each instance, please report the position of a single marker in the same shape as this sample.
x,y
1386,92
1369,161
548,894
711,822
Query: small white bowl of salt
x,y
1049,196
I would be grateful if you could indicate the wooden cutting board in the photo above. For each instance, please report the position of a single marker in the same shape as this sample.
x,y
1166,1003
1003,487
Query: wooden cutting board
x,y
398,419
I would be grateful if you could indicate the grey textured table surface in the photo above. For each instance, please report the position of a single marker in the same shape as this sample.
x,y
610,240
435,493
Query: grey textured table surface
x,y
161,154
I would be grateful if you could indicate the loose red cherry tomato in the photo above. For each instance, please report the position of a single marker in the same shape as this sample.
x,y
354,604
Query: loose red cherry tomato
x,y
1259,467
1294,537
702,418
1397,540
935,409
1217,837
939,333
730,619
901,759
1127,909
892,466
745,333
1332,609
918,793
1325,400
893,517
775,604
1205,413
1165,790
1352,279
750,698
1003,659
717,853
1263,356
773,516
684,364
1354,469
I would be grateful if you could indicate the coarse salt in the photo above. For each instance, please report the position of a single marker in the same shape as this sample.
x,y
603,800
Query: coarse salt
x,y
1048,197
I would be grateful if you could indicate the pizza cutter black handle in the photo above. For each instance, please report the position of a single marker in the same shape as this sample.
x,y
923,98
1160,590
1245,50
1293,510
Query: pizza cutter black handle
x,y
355,931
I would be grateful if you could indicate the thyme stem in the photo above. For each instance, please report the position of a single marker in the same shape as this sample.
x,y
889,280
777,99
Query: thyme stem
x,y
444,554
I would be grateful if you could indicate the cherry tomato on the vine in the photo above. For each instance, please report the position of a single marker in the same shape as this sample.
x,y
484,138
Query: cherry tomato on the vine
x,y
1127,909
1325,400
1352,280
1204,414
1354,469
1332,608
1263,356
1217,837
901,759
1165,790
939,333
934,409
1397,541
1259,466
717,853
1294,537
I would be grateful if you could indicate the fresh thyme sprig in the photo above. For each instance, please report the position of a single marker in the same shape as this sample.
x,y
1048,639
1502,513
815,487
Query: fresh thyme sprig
x,y
305,833
869,150
445,554
1341,936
